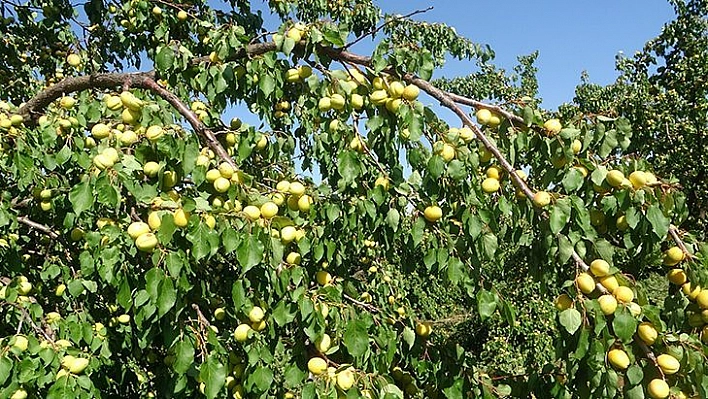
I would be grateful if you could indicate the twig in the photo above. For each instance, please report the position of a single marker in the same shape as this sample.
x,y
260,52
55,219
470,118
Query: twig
x,y
38,226
366,149
480,105
390,21
50,233
649,354
202,320
369,307
35,327
673,232
581,263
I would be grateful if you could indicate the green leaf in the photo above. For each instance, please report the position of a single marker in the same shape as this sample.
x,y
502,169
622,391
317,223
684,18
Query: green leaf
x,y
570,319
5,369
107,194
565,249
349,166
560,215
238,294
391,391
81,197
165,58
490,244
456,170
230,239
262,378
636,392
635,374
293,376
658,221
250,252
288,45
213,375
184,356
455,270
486,303
409,336
202,239
624,325
417,231
454,391
436,166
573,180
393,218
284,313
167,297
356,338
63,155
503,390
267,84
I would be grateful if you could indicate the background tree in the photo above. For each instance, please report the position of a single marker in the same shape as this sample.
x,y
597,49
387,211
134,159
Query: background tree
x,y
663,90
150,248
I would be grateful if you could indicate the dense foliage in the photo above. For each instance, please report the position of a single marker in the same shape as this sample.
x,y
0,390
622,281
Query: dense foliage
x,y
351,245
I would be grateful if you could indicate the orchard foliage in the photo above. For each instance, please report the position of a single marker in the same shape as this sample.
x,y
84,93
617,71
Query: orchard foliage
x,y
151,248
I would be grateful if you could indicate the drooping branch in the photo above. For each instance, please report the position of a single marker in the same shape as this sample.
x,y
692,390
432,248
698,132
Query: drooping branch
x,y
481,105
446,101
200,128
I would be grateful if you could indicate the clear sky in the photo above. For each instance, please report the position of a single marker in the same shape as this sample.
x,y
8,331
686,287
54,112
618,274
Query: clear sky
x,y
571,36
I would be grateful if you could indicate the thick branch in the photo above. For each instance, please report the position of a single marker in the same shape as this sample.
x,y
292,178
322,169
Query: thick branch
x,y
36,106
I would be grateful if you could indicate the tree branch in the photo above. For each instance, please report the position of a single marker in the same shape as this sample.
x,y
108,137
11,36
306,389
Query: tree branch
x,y
34,107
581,263
649,354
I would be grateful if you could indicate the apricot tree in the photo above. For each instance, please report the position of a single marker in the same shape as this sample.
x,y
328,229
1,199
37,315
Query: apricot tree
x,y
151,248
